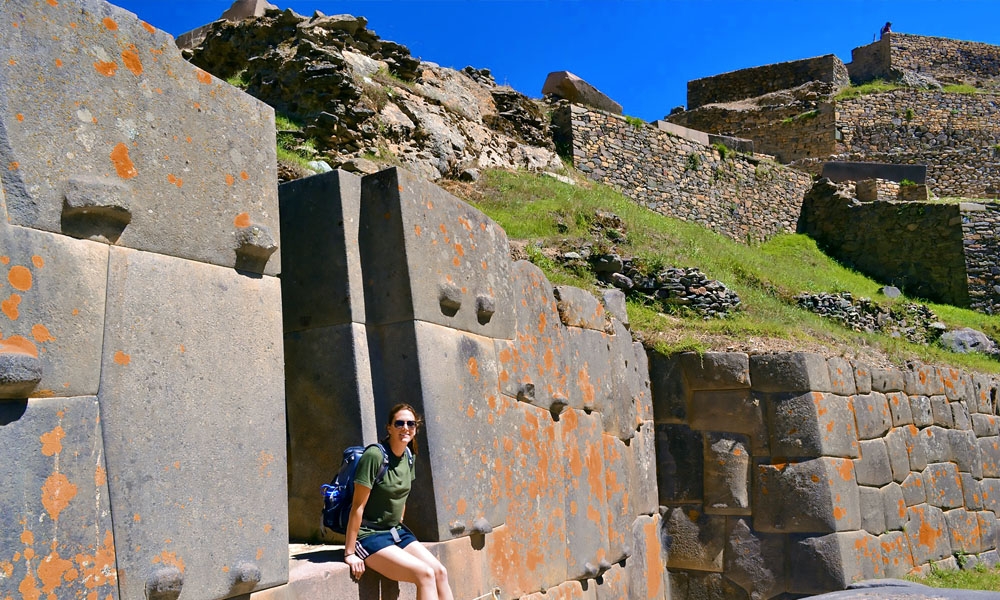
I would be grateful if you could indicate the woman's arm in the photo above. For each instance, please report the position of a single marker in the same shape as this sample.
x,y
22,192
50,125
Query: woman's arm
x,y
361,494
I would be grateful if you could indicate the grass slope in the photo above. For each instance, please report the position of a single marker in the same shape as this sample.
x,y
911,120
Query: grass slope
x,y
549,217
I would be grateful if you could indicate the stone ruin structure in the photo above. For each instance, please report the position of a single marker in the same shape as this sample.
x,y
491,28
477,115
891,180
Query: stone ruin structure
x,y
169,405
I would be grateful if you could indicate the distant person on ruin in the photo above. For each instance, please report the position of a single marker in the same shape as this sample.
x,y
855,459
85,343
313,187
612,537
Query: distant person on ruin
x,y
376,536
887,28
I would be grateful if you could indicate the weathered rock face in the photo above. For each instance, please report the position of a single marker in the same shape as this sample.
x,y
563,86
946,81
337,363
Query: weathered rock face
x,y
565,85
359,96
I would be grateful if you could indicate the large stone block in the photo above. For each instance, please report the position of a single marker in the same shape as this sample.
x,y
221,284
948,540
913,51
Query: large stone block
x,y
841,376
579,308
972,492
988,529
862,377
534,365
613,584
669,389
812,424
755,561
899,459
937,441
699,585
941,413
789,372
990,492
451,377
872,413
739,410
716,370
528,553
896,558
617,485
177,448
960,415
927,532
813,496
954,382
887,380
984,394
647,569
899,407
468,562
873,467
872,511
679,464
567,590
913,489
629,385
428,256
330,406
94,149
916,447
52,294
833,561
924,380
920,409
567,85
643,497
943,485
965,452
963,531
595,368
727,474
586,497
321,281
640,384
985,425
56,536
695,540
989,451
894,506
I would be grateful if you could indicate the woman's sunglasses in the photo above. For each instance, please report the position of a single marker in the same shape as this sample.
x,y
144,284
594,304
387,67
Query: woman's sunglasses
x,y
408,424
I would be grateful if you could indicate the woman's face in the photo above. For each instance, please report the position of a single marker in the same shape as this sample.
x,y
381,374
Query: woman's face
x,y
403,426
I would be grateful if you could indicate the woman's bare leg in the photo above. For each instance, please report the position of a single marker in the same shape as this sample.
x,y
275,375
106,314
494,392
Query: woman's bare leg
x,y
399,565
418,550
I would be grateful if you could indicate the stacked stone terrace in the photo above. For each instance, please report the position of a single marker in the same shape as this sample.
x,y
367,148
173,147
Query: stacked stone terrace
x,y
954,134
799,474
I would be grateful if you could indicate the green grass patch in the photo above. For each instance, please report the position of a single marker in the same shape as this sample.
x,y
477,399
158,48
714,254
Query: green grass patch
x,y
634,121
283,122
877,86
978,578
240,80
961,89
767,276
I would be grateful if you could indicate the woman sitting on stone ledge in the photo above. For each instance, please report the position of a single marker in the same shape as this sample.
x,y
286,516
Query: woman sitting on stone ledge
x,y
375,530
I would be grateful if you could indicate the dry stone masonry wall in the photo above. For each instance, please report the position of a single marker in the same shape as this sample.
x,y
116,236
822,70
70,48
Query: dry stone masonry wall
x,y
757,81
737,195
791,473
141,373
980,224
948,61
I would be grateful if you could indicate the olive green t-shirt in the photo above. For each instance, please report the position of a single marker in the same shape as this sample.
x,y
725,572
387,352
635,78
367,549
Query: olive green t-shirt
x,y
384,509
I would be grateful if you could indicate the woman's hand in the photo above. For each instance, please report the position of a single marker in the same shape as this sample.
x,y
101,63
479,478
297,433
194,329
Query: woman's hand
x,y
357,565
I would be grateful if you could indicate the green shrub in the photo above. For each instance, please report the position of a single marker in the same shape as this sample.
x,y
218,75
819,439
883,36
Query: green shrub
x,y
906,182
909,114
876,86
634,121
722,149
693,161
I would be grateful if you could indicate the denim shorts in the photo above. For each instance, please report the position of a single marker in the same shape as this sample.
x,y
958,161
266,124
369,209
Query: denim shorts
x,y
397,536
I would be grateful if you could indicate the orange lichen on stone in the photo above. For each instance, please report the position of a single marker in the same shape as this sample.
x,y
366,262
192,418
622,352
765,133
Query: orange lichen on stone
x,y
175,180
29,588
41,334
57,493
98,569
123,164
148,27
53,569
242,220
108,69
16,344
100,476
243,174
122,359
169,559
52,441
203,77
131,59
9,307
473,366
19,117
110,24
20,278
230,180
846,469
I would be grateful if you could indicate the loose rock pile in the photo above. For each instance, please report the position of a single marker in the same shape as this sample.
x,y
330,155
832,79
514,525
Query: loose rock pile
x,y
915,322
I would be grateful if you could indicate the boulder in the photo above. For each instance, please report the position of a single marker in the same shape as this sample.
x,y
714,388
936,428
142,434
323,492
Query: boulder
x,y
244,9
570,87
967,340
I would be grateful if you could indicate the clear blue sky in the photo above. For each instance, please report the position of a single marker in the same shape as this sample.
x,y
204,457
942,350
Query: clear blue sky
x,y
641,53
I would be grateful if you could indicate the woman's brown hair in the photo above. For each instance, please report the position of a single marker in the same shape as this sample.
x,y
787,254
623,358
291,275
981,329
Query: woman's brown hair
x,y
416,416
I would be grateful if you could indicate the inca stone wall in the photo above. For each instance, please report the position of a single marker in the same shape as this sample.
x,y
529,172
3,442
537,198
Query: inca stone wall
x,y
916,246
537,471
141,402
948,61
739,196
757,81
791,473
980,225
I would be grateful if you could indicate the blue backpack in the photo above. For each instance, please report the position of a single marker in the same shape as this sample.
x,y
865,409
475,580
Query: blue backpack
x,y
338,495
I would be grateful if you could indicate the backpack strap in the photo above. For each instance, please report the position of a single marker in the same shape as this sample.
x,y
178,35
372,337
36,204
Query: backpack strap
x,y
385,463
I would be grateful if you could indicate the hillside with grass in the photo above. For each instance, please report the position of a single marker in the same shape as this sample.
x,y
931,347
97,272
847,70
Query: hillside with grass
x,y
547,219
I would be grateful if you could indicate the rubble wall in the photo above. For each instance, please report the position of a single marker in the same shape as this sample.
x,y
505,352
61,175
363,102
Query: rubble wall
x,y
757,81
947,60
980,224
740,196
141,403
794,473
917,247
